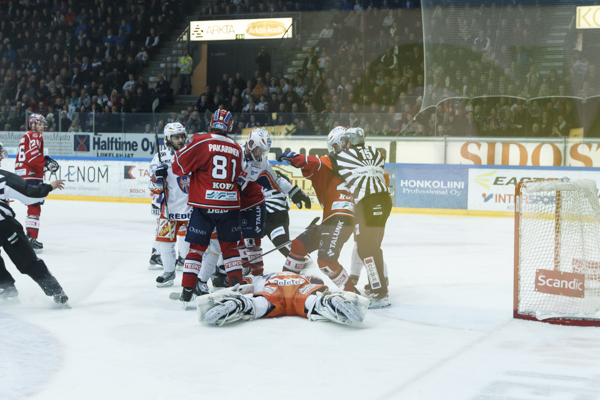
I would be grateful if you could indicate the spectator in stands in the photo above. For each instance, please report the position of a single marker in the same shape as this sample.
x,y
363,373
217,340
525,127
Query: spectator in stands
x,y
260,88
185,64
264,61
162,90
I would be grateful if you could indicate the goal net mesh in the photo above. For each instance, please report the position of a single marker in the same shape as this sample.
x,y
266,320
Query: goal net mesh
x,y
559,225
492,49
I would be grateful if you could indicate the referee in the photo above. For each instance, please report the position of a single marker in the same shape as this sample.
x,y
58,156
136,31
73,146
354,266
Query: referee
x,y
14,241
361,168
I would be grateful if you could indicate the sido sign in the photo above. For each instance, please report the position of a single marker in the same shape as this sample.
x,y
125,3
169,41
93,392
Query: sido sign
x,y
266,28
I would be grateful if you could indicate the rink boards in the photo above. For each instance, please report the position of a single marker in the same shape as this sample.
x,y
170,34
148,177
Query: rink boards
x,y
415,188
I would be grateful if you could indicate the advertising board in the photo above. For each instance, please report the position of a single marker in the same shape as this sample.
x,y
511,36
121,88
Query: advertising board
x,y
236,29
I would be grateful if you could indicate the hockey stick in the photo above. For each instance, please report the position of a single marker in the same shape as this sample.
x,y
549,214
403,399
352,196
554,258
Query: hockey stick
x,y
154,107
311,225
175,295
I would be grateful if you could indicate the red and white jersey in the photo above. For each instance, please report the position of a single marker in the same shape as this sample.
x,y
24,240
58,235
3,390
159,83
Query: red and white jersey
x,y
30,157
256,175
214,163
177,188
334,198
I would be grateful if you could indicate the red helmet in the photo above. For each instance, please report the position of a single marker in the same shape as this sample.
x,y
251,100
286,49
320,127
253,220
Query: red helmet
x,y
33,118
221,119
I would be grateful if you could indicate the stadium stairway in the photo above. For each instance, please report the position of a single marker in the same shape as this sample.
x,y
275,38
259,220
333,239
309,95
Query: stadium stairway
x,y
552,55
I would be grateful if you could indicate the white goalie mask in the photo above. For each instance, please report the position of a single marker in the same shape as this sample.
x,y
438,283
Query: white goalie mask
x,y
259,143
336,136
173,128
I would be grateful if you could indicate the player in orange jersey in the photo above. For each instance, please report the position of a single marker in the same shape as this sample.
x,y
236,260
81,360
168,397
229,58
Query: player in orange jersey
x,y
281,294
338,218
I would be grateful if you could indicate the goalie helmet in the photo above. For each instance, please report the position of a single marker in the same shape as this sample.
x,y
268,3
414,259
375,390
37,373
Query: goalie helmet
x,y
356,136
33,118
259,138
222,120
336,136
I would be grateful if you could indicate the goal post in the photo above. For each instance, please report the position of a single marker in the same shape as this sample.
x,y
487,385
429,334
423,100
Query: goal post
x,y
557,252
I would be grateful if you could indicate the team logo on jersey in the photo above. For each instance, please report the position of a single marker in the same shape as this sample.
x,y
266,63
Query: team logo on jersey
x,y
81,142
184,183
219,195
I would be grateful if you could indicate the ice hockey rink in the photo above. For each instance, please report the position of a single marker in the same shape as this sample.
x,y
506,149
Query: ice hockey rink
x,y
448,335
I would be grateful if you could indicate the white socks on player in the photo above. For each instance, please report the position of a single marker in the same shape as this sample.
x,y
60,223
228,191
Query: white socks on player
x,y
167,253
209,260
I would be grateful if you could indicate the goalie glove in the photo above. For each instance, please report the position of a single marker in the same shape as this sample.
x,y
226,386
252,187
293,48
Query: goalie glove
x,y
298,196
50,165
224,307
341,307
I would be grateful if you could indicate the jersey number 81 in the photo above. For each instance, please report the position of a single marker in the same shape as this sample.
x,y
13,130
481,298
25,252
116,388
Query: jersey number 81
x,y
219,170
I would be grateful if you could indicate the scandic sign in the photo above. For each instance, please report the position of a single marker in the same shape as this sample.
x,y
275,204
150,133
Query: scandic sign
x,y
266,28
560,283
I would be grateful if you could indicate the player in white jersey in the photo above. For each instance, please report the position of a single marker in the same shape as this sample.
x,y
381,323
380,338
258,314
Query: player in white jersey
x,y
256,168
175,212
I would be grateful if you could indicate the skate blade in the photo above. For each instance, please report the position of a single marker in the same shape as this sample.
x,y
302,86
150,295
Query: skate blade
x,y
155,267
10,301
164,284
62,306
190,305
379,304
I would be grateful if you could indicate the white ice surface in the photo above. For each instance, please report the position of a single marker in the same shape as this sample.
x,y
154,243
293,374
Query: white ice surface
x,y
448,335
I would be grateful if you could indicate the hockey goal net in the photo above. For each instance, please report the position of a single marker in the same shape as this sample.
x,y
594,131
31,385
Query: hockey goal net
x,y
557,252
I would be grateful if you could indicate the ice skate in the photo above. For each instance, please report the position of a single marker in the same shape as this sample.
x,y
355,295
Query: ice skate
x,y
61,300
166,279
37,246
9,294
180,262
155,261
201,288
379,300
219,278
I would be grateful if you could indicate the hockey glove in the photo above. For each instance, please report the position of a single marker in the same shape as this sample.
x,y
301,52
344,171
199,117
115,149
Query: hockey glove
x,y
298,196
160,175
285,157
50,165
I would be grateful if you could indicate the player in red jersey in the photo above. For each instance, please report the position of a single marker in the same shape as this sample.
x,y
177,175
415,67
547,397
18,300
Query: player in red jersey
x,y
215,162
30,165
281,294
338,218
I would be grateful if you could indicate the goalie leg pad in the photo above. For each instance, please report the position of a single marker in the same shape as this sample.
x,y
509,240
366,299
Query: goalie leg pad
x,y
224,307
341,307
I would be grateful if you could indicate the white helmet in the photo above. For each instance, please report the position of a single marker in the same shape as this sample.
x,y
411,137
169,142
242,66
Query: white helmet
x,y
173,128
3,153
260,138
336,136
356,136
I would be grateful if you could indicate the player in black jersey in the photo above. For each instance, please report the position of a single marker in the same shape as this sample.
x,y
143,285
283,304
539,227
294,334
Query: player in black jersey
x,y
15,243
361,168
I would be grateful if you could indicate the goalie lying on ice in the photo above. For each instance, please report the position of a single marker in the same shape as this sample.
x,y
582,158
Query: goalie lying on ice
x,y
278,294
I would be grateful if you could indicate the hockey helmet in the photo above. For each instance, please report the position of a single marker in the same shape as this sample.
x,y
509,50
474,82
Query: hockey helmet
x,y
174,128
336,136
259,138
222,120
356,136
33,118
